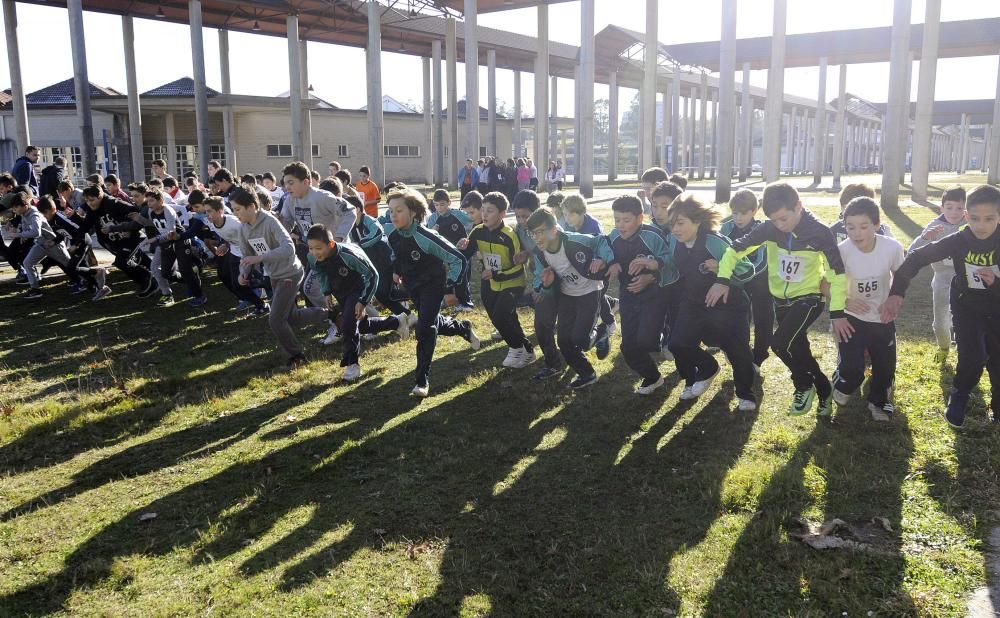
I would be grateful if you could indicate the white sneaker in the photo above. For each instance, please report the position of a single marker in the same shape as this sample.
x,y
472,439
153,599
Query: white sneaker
x,y
525,359
352,372
473,339
495,336
404,326
699,387
666,354
687,394
368,337
841,398
372,312
420,391
332,335
412,319
648,389
746,405
513,356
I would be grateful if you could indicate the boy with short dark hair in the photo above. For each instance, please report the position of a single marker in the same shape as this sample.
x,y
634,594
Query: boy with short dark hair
x,y
975,297
649,179
472,206
454,226
801,253
847,194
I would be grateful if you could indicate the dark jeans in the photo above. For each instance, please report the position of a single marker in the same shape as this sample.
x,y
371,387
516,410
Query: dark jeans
x,y
381,259
181,252
790,342
430,324
501,306
673,299
228,267
977,334
352,328
575,317
880,341
642,322
762,309
729,329
139,274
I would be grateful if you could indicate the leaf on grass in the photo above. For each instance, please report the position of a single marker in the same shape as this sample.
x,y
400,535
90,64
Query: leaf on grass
x,y
291,418
147,516
7,410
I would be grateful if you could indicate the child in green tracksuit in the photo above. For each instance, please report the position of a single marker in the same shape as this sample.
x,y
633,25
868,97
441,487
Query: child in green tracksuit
x,y
801,253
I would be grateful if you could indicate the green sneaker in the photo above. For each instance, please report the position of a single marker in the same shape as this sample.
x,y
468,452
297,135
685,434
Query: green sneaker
x,y
802,401
824,408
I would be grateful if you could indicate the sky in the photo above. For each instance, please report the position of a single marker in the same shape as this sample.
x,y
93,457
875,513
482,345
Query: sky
x,y
259,63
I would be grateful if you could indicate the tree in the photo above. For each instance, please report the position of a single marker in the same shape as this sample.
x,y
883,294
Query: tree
x,y
601,122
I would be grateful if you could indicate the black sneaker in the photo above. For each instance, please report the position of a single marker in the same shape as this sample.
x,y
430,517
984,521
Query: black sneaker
x,y
150,289
954,414
547,372
582,381
21,279
33,294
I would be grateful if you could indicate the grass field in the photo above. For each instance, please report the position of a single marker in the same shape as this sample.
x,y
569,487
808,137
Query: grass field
x,y
281,493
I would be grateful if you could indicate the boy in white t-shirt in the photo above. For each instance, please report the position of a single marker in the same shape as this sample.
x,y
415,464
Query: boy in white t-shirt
x,y
869,259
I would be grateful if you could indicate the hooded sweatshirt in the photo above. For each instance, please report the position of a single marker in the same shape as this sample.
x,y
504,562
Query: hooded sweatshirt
x,y
267,238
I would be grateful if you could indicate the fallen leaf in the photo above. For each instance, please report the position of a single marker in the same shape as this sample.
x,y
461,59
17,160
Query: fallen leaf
x,y
147,516
291,418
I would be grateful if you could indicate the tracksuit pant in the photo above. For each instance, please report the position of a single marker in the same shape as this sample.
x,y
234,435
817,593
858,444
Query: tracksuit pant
x,y
183,254
977,334
381,259
941,296
430,323
642,319
762,310
880,342
351,328
790,342
139,274
573,316
501,306
729,329
228,267
35,255
285,315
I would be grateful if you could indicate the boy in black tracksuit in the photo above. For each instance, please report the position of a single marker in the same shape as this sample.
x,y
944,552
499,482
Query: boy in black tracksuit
x,y
726,325
975,297
744,206
454,225
117,232
369,234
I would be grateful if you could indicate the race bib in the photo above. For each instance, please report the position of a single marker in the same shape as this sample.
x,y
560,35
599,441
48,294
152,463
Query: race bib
x,y
259,245
571,277
973,278
791,268
491,261
866,288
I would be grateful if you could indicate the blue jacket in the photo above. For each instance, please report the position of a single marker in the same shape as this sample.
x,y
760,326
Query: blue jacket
x,y
24,173
475,175
581,250
648,241
759,257
347,270
422,256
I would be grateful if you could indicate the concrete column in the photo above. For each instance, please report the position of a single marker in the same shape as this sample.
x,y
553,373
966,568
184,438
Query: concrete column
x,y
541,154
790,141
554,120
993,174
647,94
985,149
702,125
428,154
228,122
839,132
451,53
471,80
82,85
905,129
665,126
675,120
563,155
691,135
898,105
518,138
373,72
746,117
585,140
171,144
307,141
576,124
775,95
726,111
868,134
491,101
963,153
18,104
200,89
612,125
295,93
713,157
820,155
440,177
925,100
134,111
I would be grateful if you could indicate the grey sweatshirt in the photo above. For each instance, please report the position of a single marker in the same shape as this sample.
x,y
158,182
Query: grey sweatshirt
x,y
270,240
944,266
35,227
318,206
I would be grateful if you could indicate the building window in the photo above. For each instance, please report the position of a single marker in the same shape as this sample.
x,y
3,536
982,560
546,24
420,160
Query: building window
x,y
217,152
343,152
149,154
482,151
279,150
186,159
316,150
401,151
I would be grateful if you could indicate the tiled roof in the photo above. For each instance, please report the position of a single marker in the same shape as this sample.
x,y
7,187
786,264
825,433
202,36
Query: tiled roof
x,y
183,87
484,113
63,93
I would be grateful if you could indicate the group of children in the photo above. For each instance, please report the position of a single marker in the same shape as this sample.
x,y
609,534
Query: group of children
x,y
688,282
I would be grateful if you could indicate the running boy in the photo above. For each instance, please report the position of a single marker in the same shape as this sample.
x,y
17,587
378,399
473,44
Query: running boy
x,y
848,194
951,219
975,297
801,252
426,264
454,226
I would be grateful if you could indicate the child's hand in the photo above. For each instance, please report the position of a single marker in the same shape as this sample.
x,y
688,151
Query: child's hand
x,y
718,291
596,266
522,257
359,311
106,229
889,310
711,266
640,283
251,260
487,274
548,277
243,280
934,231
134,216
987,275
451,300
463,244
614,270
842,330
222,249
824,289
397,279
856,305
640,264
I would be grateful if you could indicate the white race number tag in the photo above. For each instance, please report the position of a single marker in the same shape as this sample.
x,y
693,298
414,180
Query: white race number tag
x,y
973,278
491,261
867,287
791,268
259,245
